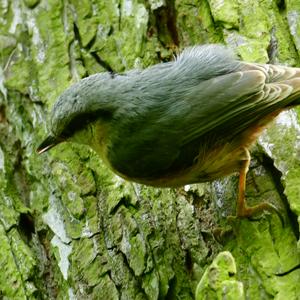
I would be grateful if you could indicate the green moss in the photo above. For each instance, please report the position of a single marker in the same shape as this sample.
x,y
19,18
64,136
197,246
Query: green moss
x,y
8,215
250,26
225,12
137,254
10,18
18,266
271,250
89,64
292,188
49,49
128,23
106,289
31,3
123,191
8,44
195,24
19,75
219,280
151,285
263,247
74,227
87,263
86,21
263,41
250,49
10,277
129,241
285,126
292,13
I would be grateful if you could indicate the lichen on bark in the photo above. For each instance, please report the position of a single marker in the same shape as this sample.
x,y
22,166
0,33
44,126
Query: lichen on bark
x,y
69,228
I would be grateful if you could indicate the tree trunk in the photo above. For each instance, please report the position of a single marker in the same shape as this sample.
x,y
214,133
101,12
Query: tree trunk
x,y
71,229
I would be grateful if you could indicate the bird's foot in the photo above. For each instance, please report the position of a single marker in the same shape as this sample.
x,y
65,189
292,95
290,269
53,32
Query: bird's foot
x,y
249,212
245,211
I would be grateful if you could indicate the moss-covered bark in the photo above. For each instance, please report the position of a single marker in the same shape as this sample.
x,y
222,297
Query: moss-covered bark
x,y
70,229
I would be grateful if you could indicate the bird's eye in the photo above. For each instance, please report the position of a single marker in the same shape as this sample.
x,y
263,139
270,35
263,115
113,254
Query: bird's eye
x,y
81,121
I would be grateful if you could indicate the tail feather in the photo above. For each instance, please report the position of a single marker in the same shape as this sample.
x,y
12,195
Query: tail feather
x,y
280,75
295,95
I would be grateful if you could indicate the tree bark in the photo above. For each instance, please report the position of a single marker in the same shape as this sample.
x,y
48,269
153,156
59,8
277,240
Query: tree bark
x,y
71,229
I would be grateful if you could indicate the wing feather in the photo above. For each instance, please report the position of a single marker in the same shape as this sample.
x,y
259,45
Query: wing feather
x,y
237,100
218,101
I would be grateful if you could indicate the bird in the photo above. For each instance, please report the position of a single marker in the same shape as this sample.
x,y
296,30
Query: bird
x,y
189,120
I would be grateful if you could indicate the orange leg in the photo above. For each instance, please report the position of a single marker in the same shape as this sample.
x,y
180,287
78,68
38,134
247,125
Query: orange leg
x,y
243,211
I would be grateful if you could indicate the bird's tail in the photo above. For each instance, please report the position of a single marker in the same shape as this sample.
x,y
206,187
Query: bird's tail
x,y
281,76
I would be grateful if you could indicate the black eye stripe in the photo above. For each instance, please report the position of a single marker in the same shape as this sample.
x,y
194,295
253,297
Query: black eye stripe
x,y
82,120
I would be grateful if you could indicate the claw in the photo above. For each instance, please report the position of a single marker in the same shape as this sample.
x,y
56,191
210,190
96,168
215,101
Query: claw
x,y
243,211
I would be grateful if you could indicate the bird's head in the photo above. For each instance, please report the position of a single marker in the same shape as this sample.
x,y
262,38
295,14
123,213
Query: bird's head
x,y
77,111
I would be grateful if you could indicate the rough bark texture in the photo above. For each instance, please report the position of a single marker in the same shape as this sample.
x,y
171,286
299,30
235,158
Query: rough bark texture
x,y
70,229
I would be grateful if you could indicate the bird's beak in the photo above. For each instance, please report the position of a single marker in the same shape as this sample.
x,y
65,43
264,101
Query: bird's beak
x,y
47,144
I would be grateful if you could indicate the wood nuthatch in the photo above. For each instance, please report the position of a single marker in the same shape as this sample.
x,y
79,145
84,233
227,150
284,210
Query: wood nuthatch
x,y
187,121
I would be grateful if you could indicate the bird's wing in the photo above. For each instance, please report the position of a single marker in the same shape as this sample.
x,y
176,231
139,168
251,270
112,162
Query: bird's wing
x,y
168,140
235,101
